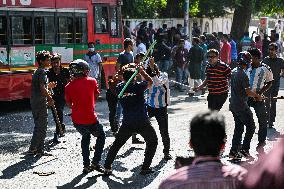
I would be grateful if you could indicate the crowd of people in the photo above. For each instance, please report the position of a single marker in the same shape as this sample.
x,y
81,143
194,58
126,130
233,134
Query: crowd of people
x,y
140,90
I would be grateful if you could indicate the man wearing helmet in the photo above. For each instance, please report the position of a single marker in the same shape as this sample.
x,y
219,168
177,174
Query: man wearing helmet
x,y
240,90
81,94
61,76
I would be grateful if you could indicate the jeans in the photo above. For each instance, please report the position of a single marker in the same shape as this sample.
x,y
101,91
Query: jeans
x,y
260,112
161,115
112,104
216,101
180,75
270,103
164,65
86,131
39,112
118,112
59,105
243,118
203,67
145,129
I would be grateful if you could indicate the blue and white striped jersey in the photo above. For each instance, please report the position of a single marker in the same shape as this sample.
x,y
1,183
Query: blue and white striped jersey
x,y
258,76
158,95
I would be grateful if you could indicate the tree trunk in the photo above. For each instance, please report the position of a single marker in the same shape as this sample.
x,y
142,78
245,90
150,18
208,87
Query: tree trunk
x,y
241,19
172,9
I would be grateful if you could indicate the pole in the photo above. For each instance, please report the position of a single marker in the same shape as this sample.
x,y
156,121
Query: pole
x,y
186,10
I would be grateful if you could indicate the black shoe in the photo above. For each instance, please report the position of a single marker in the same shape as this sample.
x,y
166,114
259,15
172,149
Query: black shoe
x,y
107,172
245,153
137,141
87,169
42,153
55,139
146,171
31,152
167,156
97,167
234,155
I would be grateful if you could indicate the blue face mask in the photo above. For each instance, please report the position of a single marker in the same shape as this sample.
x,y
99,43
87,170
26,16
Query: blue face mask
x,y
91,49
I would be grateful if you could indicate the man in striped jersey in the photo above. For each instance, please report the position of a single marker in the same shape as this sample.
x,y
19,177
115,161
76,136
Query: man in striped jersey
x,y
217,80
158,98
260,80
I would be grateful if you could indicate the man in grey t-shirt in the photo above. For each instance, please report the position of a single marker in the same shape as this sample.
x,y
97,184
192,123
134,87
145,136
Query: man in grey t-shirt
x,y
276,65
40,98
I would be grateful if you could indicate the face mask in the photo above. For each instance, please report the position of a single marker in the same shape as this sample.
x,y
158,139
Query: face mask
x,y
91,49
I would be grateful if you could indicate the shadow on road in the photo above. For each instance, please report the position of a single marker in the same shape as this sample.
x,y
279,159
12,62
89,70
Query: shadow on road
x,y
136,180
15,169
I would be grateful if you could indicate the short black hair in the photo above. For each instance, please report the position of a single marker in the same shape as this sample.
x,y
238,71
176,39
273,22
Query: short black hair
x,y
196,40
255,52
207,133
127,73
273,45
202,37
226,36
42,56
216,52
127,42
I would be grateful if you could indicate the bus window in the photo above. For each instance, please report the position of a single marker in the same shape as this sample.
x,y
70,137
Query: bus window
x,y
101,19
21,27
65,30
44,30
81,29
3,30
114,24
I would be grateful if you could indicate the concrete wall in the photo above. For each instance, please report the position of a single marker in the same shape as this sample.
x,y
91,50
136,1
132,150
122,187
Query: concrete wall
x,y
206,24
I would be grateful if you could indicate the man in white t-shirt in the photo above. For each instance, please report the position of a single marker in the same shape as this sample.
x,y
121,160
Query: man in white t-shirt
x,y
141,47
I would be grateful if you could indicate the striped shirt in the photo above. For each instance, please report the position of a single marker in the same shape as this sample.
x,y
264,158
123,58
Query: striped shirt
x,y
205,175
218,78
158,96
259,76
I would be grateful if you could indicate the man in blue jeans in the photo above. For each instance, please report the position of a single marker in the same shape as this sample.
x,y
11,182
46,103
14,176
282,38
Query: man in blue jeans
x,y
260,80
240,90
81,94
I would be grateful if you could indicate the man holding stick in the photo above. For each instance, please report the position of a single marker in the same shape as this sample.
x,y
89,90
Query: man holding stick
x,y
135,119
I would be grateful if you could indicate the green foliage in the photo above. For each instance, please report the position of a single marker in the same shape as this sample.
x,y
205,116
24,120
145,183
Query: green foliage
x,y
198,8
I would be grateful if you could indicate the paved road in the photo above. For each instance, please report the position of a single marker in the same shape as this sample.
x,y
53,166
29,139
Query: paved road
x,y
16,170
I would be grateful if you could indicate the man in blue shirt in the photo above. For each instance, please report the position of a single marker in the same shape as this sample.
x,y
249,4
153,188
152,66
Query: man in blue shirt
x,y
135,120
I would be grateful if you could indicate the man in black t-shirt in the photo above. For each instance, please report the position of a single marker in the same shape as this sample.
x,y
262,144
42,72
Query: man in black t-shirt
x,y
276,65
61,76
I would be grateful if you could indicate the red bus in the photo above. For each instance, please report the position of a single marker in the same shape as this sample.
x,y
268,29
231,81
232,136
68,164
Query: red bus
x,y
63,26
